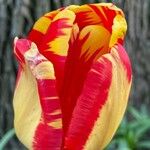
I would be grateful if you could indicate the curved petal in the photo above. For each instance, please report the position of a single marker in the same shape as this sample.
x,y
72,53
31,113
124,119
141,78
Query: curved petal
x,y
56,39
24,45
55,43
84,48
102,103
41,26
119,29
36,103
96,14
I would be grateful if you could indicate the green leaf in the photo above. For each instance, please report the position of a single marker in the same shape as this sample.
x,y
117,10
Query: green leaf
x,y
123,145
6,138
145,144
141,131
135,113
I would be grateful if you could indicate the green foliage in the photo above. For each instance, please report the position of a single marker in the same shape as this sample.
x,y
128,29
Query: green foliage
x,y
9,134
134,132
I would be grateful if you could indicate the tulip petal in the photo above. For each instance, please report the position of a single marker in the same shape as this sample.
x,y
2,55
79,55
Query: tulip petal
x,y
27,109
95,41
90,18
55,42
56,39
24,45
118,30
39,118
85,47
102,103
96,14
40,27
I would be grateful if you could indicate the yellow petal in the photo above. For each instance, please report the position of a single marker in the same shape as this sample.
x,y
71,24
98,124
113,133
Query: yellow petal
x,y
98,40
27,109
118,30
111,113
62,24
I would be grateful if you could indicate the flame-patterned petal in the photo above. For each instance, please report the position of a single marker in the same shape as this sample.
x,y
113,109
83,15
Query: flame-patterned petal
x,y
102,103
37,111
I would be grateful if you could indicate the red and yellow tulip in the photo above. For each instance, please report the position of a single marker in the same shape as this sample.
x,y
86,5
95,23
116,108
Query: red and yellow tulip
x,y
74,79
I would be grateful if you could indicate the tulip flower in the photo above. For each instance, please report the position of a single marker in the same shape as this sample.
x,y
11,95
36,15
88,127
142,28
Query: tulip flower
x,y
74,79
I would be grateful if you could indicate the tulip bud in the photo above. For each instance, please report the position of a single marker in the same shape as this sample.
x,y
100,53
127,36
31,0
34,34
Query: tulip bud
x,y
74,79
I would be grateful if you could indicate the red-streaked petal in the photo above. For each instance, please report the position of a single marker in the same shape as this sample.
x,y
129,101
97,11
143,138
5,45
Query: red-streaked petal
x,y
95,41
37,83
90,18
56,39
84,48
55,43
24,45
96,14
102,103
41,26
92,98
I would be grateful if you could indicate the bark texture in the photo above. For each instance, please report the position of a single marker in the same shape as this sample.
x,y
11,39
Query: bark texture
x,y
18,16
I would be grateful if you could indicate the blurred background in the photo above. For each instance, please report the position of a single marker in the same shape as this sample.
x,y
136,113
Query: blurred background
x,y
17,18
